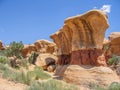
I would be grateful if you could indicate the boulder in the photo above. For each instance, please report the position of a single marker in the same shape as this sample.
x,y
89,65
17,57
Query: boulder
x,y
51,68
44,46
45,60
80,40
85,75
114,45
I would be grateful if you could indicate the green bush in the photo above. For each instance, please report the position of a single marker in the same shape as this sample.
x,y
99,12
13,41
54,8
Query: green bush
x,y
2,53
31,76
33,57
38,73
14,49
114,86
8,73
23,77
22,62
114,60
52,85
3,59
94,86
107,47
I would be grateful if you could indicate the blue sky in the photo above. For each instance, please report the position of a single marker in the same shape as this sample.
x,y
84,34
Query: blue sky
x,y
31,20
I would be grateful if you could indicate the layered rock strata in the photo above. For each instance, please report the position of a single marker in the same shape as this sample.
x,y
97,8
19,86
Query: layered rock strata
x,y
84,75
40,46
80,39
114,44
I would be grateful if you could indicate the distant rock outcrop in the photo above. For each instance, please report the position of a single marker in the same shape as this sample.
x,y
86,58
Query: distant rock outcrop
x,y
41,46
80,40
1,45
114,35
114,45
44,46
28,49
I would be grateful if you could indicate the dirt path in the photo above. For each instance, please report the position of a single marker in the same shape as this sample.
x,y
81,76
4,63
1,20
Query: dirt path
x,y
9,85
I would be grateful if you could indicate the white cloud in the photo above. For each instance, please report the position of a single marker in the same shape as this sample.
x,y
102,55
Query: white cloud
x,y
106,8
94,7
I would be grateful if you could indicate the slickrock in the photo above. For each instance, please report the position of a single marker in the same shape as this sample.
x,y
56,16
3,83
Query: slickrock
x,y
80,39
85,75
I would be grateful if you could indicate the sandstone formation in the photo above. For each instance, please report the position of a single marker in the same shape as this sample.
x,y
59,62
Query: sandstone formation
x,y
1,45
51,68
46,60
114,45
85,75
114,35
80,39
44,46
40,46
28,49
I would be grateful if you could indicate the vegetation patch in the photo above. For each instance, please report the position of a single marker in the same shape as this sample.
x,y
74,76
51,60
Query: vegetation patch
x,y
22,77
114,60
52,85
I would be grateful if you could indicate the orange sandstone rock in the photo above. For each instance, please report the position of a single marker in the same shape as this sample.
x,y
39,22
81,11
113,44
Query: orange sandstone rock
x,y
80,39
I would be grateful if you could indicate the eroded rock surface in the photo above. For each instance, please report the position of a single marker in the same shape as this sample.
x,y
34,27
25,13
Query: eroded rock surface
x,y
45,46
114,45
114,35
40,46
28,49
1,45
85,75
46,60
80,39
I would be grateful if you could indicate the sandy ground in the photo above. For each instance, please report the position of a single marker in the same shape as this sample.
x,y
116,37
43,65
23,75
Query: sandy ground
x,y
9,85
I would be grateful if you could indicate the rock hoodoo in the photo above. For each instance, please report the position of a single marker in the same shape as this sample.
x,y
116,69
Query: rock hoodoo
x,y
80,39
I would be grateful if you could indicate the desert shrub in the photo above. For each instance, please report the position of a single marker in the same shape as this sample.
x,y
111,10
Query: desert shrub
x,y
52,85
14,49
31,76
3,59
38,73
23,77
94,86
114,60
35,86
22,63
107,47
2,53
33,57
114,86
8,73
